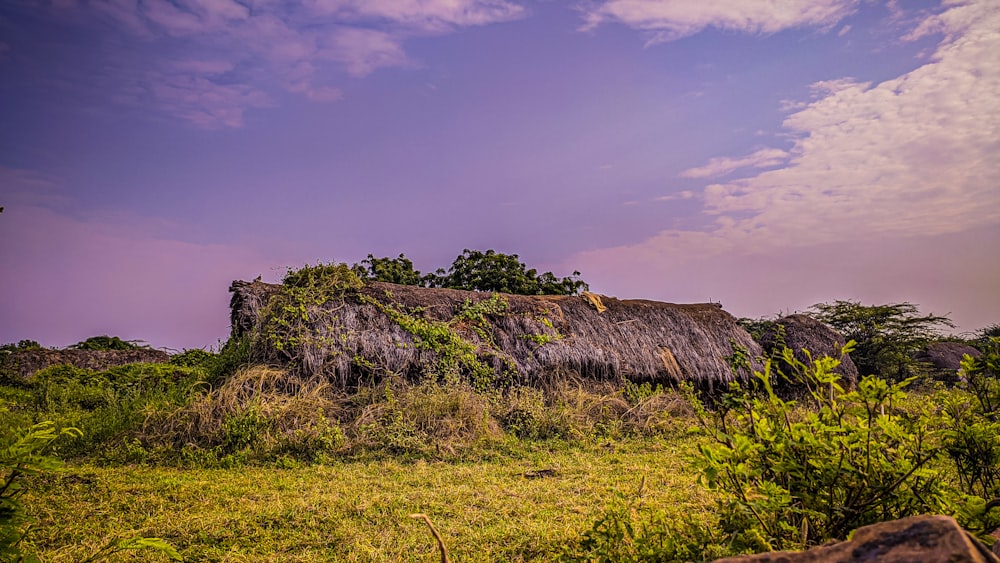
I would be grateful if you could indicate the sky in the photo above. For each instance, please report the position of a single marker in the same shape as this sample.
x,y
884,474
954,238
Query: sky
x,y
765,154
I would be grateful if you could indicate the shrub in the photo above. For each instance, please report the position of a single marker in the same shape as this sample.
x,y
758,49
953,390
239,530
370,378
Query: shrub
x,y
104,343
972,438
792,477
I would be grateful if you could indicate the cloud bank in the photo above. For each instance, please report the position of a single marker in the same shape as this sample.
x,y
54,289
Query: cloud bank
x,y
870,165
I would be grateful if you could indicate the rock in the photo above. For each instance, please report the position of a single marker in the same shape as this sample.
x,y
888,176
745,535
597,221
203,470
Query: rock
x,y
944,359
918,539
802,332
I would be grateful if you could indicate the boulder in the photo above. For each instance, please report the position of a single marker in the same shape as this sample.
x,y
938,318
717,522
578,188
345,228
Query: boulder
x,y
918,539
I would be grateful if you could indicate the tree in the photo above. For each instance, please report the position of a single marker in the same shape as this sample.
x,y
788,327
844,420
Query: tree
x,y
503,273
886,335
392,270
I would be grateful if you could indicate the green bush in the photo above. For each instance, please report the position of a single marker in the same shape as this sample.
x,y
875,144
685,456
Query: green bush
x,y
104,342
972,438
793,476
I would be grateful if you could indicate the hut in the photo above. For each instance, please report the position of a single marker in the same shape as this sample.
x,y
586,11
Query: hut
x,y
379,328
802,333
21,364
942,360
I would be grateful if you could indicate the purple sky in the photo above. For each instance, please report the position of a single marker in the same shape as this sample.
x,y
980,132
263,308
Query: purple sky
x,y
768,155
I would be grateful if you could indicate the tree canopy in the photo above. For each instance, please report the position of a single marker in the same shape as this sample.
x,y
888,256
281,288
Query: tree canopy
x,y
473,270
886,335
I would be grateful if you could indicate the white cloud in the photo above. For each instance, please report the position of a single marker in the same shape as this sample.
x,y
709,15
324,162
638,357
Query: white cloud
x,y
681,195
721,166
907,159
274,45
364,50
430,15
668,20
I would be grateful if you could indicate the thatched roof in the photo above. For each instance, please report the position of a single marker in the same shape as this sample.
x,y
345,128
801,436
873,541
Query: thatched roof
x,y
802,332
24,363
534,337
943,359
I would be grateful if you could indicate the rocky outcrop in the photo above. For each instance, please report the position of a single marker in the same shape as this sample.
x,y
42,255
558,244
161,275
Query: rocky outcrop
x,y
802,332
24,363
918,539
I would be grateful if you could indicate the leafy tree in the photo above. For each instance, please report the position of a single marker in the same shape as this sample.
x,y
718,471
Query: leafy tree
x,y
502,273
21,345
104,343
886,335
392,270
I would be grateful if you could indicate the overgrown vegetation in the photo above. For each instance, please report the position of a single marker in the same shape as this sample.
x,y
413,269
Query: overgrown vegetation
x,y
473,270
104,342
509,471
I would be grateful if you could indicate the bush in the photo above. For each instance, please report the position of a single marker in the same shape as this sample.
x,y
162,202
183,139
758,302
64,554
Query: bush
x,y
972,437
104,343
793,477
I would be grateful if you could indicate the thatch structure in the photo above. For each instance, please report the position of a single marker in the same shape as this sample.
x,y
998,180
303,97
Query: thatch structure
x,y
802,332
527,338
24,363
942,360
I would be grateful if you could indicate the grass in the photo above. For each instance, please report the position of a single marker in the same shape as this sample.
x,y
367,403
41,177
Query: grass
x,y
354,511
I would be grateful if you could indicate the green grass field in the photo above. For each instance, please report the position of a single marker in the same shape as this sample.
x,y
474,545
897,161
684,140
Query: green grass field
x,y
509,509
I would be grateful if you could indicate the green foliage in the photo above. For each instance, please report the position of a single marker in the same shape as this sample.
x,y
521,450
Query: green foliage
x,y
291,314
456,355
631,531
504,273
27,456
756,327
983,338
886,335
21,346
972,436
104,342
195,357
392,270
24,457
109,405
793,477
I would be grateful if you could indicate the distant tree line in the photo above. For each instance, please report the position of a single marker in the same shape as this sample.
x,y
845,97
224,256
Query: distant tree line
x,y
473,270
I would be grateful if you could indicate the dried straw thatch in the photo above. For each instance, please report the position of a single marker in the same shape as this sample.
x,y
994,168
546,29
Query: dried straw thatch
x,y
802,332
24,363
533,337
942,360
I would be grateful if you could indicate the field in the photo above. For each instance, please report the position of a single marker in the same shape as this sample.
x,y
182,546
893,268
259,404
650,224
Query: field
x,y
260,464
527,507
